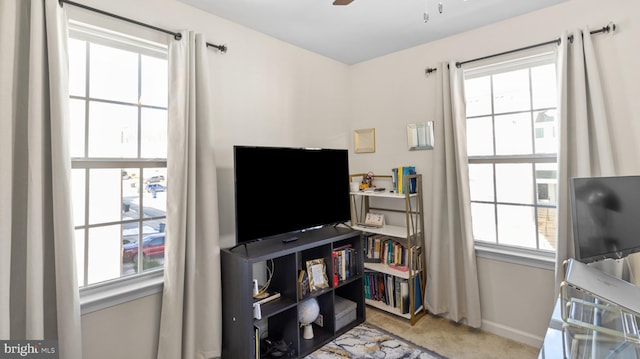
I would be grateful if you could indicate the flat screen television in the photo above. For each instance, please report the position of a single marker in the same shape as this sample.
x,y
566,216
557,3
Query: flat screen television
x,y
286,190
606,217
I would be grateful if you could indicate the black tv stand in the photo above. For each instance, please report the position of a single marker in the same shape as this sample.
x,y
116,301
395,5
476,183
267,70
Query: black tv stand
x,y
281,315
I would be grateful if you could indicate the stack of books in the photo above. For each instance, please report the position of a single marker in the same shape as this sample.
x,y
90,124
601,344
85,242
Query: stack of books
x,y
399,175
265,297
344,263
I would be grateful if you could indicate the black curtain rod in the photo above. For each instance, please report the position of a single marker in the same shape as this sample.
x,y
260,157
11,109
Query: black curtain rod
x,y
176,35
609,27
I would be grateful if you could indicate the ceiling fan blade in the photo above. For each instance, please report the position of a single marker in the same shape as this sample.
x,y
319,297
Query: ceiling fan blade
x,y
342,2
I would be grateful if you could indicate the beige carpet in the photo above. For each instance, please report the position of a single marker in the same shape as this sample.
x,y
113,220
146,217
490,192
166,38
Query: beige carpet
x,y
450,339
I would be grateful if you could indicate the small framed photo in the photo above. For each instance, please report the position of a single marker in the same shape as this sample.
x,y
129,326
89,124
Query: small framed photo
x,y
317,272
365,140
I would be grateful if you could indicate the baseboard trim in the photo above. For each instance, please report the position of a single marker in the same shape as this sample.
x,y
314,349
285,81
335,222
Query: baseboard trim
x,y
512,333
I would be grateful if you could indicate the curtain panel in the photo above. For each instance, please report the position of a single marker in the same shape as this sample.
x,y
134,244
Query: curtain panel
x,y
585,145
452,274
191,325
39,299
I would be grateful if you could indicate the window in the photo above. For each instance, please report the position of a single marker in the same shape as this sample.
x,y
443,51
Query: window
x,y
512,148
118,101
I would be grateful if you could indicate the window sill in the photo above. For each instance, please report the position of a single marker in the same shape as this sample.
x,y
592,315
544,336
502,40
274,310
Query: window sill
x,y
525,257
114,293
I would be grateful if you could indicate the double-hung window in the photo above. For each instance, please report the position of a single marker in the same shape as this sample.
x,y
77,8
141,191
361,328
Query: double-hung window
x,y
118,102
512,147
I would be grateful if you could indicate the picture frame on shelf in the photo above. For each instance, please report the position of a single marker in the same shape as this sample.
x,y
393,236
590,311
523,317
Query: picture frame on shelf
x,y
317,272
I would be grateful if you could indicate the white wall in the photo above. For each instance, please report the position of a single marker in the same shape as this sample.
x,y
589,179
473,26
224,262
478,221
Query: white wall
x,y
391,91
270,93
125,331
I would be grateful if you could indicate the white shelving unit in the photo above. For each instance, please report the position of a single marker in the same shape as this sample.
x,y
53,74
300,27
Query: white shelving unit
x,y
407,229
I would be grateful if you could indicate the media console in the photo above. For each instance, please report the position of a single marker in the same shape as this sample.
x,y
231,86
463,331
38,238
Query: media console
x,y
239,326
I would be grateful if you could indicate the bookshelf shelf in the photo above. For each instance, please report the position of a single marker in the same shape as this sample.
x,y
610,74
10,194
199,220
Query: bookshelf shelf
x,y
387,230
386,269
398,242
279,317
387,308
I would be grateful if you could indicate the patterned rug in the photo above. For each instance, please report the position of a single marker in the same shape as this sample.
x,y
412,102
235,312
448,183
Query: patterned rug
x,y
369,341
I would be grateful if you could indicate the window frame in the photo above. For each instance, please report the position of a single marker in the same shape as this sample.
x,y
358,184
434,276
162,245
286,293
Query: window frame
x,y
536,257
104,294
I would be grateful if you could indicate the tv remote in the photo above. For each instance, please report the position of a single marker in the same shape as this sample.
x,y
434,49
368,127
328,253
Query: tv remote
x,y
290,239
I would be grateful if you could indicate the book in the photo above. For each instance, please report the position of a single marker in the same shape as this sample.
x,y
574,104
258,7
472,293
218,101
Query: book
x,y
256,338
336,268
303,284
399,175
404,296
266,297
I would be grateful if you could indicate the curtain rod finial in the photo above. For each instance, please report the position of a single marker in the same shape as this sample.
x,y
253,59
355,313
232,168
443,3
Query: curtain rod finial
x,y
221,48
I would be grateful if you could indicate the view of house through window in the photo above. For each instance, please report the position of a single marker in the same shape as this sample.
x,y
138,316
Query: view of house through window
x,y
118,101
512,148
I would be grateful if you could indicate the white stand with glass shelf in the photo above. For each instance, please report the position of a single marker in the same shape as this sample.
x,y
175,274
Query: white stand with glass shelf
x,y
404,226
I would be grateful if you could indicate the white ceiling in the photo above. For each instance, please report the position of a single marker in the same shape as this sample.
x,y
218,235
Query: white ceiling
x,y
365,29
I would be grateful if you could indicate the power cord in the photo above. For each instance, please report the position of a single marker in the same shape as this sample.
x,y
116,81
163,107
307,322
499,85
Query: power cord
x,y
270,272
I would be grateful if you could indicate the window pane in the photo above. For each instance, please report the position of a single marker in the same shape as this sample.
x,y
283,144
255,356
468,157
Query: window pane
x,y
547,183
511,131
77,67
511,91
513,134
479,136
481,182
78,193
155,79
104,253
483,221
113,130
547,228
153,251
155,193
478,96
514,183
79,238
113,74
543,83
154,133
130,194
76,111
545,124
121,117
152,248
517,226
105,199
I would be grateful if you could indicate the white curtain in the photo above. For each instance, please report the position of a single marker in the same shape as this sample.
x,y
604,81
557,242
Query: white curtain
x,y
190,325
452,275
585,145
39,297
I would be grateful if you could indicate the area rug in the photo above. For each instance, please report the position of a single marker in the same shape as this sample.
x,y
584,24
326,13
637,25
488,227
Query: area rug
x,y
369,341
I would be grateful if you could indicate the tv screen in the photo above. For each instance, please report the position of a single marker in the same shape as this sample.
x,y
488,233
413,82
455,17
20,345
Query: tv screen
x,y
606,217
281,190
